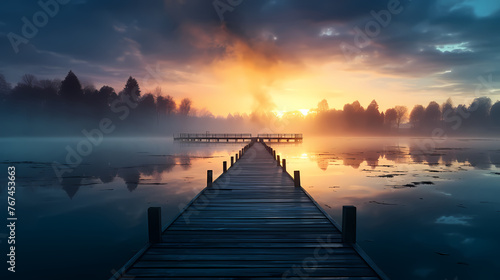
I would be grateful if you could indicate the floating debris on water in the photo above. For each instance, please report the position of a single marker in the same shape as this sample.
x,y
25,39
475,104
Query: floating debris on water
x,y
423,183
433,170
403,186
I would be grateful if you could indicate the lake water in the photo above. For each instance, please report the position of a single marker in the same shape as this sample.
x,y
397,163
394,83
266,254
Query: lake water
x,y
422,213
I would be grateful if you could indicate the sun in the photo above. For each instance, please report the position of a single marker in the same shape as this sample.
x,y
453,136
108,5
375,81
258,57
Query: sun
x,y
304,111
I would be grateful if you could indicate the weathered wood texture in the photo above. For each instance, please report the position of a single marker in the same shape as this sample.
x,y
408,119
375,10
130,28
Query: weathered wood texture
x,y
252,223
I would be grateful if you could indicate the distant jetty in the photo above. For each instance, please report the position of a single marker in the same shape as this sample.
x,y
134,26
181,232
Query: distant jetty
x,y
238,137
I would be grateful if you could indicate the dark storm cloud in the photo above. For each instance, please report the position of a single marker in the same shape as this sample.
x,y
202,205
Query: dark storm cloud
x,y
112,39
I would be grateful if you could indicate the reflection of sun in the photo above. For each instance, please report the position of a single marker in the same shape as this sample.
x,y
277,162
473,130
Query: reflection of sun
x,y
303,156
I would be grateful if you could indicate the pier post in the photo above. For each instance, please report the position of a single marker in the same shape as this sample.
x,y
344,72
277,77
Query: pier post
x,y
232,161
236,157
154,224
278,160
209,178
348,224
296,178
284,165
224,166
274,154
239,153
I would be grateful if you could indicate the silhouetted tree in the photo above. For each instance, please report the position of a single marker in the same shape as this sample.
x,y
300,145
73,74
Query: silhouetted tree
x,y
89,90
185,106
108,93
71,89
5,87
432,115
147,106
50,85
354,115
495,114
401,114
374,119
447,107
323,106
100,100
417,116
170,105
391,117
479,112
132,87
29,80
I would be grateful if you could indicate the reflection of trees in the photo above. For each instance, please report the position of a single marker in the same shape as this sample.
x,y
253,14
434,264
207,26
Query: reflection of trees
x,y
131,176
354,157
105,171
323,164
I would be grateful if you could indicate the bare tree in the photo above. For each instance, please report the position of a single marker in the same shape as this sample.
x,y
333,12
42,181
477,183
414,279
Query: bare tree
x,y
29,80
185,106
323,106
170,105
391,116
401,114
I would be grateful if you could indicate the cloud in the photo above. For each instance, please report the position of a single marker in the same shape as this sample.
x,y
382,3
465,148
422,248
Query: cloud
x,y
261,44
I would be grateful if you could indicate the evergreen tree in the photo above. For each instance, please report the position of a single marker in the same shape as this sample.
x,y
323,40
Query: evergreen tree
x,y
71,89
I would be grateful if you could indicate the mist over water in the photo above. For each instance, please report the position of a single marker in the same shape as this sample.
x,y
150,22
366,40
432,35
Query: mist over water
x,y
422,213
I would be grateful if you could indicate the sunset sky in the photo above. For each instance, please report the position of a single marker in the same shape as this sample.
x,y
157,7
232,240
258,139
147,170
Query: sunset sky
x,y
268,55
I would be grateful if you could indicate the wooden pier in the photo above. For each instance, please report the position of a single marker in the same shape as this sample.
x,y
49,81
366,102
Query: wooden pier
x,y
238,137
254,222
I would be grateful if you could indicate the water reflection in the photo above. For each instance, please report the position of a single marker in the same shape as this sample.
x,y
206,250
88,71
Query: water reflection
x,y
356,156
422,213
118,161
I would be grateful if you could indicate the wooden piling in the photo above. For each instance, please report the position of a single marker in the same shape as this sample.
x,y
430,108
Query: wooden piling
x,y
224,166
154,224
278,161
284,165
296,178
348,224
232,161
209,178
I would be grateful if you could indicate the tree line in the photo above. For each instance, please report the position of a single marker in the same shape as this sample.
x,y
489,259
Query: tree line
x,y
479,116
67,100
59,107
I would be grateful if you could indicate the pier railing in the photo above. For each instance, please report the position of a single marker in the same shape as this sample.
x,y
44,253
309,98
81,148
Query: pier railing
x,y
236,137
214,135
284,136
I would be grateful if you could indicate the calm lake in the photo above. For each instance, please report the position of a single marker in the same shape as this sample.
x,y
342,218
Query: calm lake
x,y
425,210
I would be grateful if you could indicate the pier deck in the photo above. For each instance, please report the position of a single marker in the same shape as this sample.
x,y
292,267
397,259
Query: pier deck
x,y
252,223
